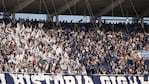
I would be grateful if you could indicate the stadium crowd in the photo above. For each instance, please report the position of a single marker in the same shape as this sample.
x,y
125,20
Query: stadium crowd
x,y
28,48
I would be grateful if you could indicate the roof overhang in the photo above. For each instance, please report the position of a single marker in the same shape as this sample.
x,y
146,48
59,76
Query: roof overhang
x,y
78,7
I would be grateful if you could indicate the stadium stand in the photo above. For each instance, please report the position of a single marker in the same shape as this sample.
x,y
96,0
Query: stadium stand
x,y
86,51
37,47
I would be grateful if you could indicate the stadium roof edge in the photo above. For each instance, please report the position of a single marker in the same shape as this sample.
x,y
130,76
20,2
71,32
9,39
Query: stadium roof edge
x,y
129,8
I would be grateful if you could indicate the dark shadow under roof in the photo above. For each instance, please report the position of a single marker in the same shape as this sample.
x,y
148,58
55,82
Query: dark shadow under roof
x,y
133,8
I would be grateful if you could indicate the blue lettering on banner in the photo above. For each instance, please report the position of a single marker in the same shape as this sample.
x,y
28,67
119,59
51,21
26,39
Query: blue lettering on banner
x,y
8,78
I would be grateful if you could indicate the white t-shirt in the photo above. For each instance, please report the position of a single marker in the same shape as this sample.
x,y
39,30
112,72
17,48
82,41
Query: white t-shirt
x,y
59,51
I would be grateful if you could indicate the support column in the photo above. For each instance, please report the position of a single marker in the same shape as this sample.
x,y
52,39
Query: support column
x,y
92,19
13,17
57,20
142,22
50,18
100,22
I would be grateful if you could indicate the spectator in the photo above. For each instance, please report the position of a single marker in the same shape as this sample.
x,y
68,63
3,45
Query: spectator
x,y
30,49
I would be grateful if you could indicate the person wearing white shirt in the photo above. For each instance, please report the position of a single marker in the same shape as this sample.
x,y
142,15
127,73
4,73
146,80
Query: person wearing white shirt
x,y
59,50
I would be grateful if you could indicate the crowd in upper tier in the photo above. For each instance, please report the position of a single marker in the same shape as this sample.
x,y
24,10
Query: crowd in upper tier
x,y
31,47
